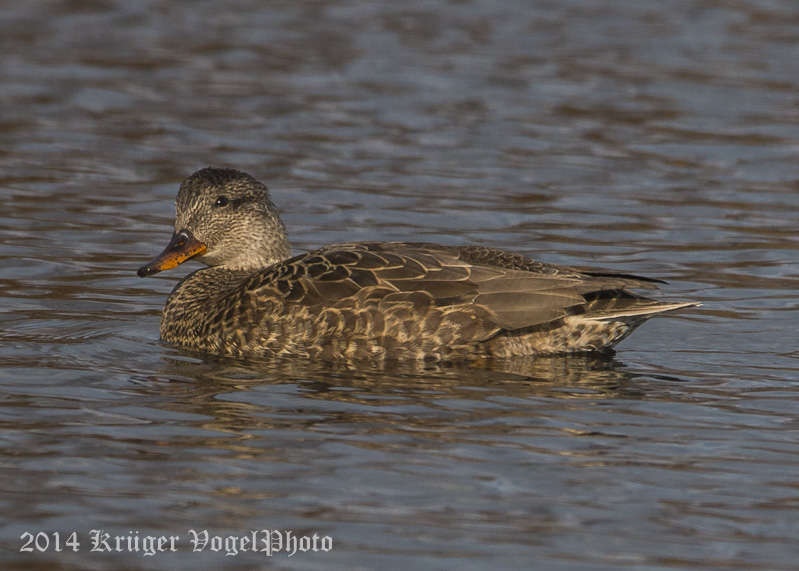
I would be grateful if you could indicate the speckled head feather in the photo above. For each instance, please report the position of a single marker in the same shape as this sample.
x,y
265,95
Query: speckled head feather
x,y
233,215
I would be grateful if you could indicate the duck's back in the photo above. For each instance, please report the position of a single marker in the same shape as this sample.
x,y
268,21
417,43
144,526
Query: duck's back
x,y
405,300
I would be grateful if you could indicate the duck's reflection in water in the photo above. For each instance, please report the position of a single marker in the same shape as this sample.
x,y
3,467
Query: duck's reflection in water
x,y
241,396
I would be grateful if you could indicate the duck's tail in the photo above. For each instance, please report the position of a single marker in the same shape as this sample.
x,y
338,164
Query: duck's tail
x,y
639,311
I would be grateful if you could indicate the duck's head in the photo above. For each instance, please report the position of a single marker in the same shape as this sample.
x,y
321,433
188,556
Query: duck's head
x,y
224,217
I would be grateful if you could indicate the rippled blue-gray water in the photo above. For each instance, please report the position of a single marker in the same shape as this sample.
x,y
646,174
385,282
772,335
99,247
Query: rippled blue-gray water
x,y
641,136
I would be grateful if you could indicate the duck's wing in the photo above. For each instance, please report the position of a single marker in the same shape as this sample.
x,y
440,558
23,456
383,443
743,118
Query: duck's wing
x,y
502,259
512,291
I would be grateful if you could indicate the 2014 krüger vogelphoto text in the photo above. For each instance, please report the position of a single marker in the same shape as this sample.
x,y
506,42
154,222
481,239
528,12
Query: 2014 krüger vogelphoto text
x,y
268,542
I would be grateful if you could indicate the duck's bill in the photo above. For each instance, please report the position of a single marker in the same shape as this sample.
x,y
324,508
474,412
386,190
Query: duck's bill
x,y
182,247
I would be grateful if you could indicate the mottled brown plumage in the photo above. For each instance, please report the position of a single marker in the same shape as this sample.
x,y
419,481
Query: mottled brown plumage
x,y
371,300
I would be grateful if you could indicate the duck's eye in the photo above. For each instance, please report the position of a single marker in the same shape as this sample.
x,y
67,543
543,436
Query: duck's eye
x,y
221,201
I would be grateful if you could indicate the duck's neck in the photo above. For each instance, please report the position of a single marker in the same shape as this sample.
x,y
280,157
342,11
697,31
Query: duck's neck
x,y
265,249
207,284
261,252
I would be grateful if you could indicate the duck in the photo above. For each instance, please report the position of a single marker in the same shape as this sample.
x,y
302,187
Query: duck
x,y
373,300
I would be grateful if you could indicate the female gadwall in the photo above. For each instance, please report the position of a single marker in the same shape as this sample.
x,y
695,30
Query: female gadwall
x,y
393,300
